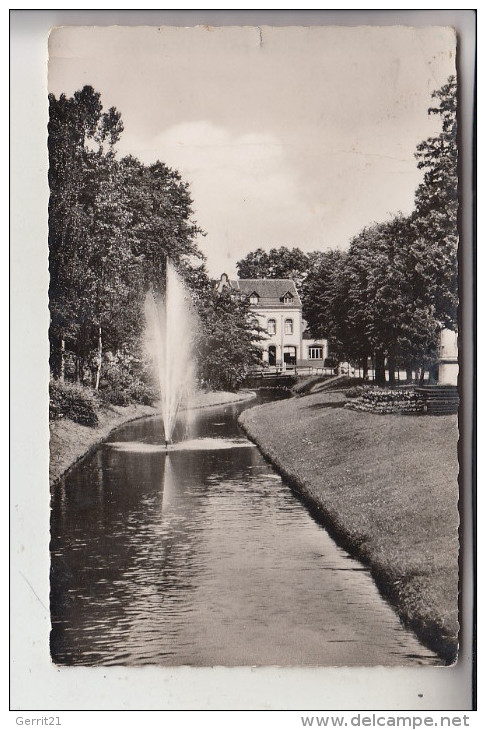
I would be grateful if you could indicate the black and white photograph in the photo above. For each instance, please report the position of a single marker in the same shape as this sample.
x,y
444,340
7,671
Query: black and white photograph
x,y
254,346
253,243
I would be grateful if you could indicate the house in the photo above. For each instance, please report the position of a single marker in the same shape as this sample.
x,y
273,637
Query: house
x,y
277,308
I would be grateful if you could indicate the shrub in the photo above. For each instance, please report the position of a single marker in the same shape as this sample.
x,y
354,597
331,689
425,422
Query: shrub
x,y
77,402
124,380
141,392
122,395
115,396
356,391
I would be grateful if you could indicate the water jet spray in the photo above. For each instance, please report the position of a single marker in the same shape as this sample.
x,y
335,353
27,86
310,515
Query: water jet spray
x,y
170,329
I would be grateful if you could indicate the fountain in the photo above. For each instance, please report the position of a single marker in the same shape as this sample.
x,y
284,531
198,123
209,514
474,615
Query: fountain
x,y
170,330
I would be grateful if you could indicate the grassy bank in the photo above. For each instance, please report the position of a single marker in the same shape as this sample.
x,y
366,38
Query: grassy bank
x,y
69,441
386,487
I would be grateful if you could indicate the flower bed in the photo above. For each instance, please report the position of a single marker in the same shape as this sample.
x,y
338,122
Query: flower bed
x,y
384,400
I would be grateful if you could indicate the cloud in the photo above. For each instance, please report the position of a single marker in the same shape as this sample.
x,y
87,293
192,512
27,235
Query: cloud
x,y
300,141
253,190
245,188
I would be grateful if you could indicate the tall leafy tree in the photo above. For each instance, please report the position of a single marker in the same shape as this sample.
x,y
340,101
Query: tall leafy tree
x,y
81,138
379,296
226,346
396,286
436,215
278,263
112,225
161,222
324,299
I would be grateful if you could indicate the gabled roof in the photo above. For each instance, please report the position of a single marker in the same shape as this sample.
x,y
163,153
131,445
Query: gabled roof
x,y
270,292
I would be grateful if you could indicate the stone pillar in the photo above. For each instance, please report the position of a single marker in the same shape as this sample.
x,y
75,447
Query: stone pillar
x,y
448,358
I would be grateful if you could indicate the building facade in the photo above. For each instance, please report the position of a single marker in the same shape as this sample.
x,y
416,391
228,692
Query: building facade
x,y
277,308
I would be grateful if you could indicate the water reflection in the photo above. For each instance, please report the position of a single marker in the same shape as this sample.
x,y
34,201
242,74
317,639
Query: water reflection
x,y
205,557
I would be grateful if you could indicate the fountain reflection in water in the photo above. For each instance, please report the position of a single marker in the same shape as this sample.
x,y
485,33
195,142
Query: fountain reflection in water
x,y
170,328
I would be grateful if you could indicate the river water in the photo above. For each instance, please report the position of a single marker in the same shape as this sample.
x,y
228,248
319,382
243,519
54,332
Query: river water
x,y
203,556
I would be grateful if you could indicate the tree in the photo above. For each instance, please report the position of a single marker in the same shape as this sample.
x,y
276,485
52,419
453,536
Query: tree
x,y
111,226
396,286
160,215
324,300
78,135
278,263
376,300
436,200
376,292
393,294
226,348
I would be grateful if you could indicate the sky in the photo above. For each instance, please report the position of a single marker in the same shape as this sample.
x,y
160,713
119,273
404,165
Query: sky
x,y
288,136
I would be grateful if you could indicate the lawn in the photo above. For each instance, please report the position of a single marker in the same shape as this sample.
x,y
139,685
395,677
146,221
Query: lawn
x,y
386,488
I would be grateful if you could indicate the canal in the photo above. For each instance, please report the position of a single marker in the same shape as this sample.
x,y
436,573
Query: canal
x,y
203,556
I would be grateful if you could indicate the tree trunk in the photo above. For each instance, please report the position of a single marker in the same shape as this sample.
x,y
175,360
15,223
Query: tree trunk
x,y
409,374
380,378
61,368
100,360
364,364
391,371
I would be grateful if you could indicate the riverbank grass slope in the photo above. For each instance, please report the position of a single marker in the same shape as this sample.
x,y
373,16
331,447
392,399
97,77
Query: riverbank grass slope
x,y
386,488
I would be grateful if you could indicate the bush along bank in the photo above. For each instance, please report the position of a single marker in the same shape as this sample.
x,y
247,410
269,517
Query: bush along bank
x,y
73,401
71,438
386,489
80,418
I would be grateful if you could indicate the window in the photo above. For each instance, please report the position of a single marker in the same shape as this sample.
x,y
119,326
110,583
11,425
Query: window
x,y
272,327
288,298
315,352
289,327
254,298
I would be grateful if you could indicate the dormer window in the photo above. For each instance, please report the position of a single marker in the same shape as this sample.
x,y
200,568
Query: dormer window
x,y
288,298
254,298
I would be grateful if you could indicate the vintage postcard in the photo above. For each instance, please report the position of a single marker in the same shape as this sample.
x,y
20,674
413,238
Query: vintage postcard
x,y
244,216
254,372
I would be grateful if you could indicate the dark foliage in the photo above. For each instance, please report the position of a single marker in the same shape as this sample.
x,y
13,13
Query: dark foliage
x,y
226,345
69,400
112,225
278,263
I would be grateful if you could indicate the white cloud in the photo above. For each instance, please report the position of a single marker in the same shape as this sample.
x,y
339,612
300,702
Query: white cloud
x,y
300,140
252,190
245,189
